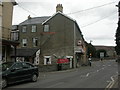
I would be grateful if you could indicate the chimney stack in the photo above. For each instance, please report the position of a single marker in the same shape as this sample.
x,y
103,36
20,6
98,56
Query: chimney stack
x,y
59,8
29,17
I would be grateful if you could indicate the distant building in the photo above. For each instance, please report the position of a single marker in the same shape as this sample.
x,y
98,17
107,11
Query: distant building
x,y
6,11
44,40
110,50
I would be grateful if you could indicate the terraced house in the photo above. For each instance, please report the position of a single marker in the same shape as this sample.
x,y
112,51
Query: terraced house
x,y
52,42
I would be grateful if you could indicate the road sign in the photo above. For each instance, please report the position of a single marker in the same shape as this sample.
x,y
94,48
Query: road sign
x,y
101,54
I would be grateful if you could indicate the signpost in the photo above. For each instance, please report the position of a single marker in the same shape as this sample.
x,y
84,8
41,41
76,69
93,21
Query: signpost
x,y
102,55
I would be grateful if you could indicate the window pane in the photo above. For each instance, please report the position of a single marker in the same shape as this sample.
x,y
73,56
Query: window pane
x,y
47,60
35,42
46,28
24,41
24,29
33,28
17,66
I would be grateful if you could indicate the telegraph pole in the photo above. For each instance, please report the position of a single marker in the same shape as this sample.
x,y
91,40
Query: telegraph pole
x,y
118,44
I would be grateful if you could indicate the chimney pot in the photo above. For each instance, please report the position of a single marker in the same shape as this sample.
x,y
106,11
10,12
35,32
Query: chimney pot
x,y
59,7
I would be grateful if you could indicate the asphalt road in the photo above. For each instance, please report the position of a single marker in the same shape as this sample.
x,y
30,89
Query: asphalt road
x,y
98,75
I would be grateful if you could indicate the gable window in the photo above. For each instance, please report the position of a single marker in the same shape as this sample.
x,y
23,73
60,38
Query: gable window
x,y
47,60
24,29
24,42
34,28
46,28
35,42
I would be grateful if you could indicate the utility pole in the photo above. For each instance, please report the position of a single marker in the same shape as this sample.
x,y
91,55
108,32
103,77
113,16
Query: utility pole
x,y
118,44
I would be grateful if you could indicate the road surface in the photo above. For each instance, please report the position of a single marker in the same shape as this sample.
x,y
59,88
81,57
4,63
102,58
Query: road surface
x,y
98,75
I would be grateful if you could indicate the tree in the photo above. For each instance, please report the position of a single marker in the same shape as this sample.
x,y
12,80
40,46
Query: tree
x,y
91,50
117,48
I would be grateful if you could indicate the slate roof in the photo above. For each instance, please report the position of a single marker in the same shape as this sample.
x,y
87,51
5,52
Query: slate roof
x,y
35,20
9,42
105,48
24,52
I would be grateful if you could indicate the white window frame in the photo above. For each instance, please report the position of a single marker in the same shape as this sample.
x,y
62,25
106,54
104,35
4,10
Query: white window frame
x,y
71,58
45,60
34,28
46,28
24,29
34,42
24,41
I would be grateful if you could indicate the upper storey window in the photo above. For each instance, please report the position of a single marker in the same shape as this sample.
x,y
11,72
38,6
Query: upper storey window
x,y
24,29
34,28
46,28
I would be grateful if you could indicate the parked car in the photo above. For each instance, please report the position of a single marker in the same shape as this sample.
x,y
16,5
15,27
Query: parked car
x,y
13,72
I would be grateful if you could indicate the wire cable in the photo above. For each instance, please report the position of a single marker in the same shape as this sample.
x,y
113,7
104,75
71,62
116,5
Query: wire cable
x,y
98,20
26,9
90,8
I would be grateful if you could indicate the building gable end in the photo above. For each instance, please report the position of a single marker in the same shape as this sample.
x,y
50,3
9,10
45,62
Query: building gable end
x,y
55,15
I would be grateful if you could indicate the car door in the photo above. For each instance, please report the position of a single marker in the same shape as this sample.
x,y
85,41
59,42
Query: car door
x,y
28,70
16,73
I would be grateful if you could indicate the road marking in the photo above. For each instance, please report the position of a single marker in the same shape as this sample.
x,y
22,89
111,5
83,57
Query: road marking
x,y
108,81
87,74
55,85
97,70
44,75
111,83
103,68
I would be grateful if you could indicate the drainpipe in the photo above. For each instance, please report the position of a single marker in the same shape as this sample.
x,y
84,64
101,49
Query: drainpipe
x,y
15,52
74,47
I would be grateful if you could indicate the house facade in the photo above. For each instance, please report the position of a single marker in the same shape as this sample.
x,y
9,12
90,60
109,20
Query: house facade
x,y
6,10
52,42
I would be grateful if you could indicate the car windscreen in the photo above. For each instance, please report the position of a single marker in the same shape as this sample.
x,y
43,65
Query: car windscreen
x,y
6,66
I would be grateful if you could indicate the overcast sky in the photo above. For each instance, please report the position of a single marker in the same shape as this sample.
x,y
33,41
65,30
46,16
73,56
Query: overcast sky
x,y
98,24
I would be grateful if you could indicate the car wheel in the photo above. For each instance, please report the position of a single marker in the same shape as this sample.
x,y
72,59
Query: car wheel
x,y
4,83
34,78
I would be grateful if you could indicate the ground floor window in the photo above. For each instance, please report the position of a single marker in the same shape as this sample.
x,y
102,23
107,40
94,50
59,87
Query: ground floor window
x,y
70,58
47,60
